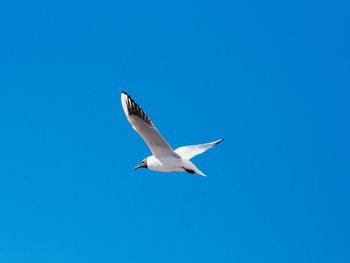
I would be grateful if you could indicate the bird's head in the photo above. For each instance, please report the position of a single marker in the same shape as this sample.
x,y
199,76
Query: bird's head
x,y
143,164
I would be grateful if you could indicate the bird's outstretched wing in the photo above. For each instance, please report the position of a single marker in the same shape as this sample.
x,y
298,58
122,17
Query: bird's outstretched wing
x,y
144,126
188,152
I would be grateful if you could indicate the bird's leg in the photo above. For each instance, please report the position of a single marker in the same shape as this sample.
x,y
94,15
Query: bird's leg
x,y
189,170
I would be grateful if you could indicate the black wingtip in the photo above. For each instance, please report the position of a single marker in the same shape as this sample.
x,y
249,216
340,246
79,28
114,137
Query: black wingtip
x,y
219,141
134,109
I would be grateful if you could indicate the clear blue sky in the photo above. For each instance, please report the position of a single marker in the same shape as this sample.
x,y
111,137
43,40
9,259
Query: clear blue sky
x,y
270,77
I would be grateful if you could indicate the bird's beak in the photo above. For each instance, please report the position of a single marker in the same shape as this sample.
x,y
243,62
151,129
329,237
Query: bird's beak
x,y
137,167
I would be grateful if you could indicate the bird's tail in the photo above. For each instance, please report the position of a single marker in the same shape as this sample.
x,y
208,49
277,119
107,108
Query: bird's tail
x,y
191,168
200,172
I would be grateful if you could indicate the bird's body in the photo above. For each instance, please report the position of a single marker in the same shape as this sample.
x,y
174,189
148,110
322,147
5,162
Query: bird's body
x,y
164,158
171,164
166,164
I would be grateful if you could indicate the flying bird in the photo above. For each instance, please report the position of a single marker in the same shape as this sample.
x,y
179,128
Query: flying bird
x,y
164,158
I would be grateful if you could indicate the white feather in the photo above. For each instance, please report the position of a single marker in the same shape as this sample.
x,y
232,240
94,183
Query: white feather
x,y
188,152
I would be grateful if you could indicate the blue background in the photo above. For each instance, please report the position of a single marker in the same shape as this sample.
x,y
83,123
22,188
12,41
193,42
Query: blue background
x,y
270,77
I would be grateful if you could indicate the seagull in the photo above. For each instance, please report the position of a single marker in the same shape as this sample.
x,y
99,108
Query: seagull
x,y
164,158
